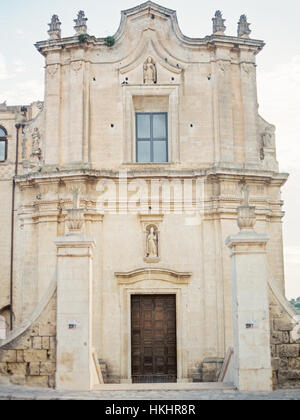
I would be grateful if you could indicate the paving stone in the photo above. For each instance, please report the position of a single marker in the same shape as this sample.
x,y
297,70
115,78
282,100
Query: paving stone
x,y
25,393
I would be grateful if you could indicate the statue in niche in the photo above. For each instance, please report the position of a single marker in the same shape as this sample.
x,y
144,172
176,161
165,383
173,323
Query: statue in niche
x,y
152,244
150,72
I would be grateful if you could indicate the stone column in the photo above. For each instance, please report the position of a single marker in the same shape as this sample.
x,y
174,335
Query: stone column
x,y
74,308
252,355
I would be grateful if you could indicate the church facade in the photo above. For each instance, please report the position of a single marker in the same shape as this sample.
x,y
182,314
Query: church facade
x,y
118,195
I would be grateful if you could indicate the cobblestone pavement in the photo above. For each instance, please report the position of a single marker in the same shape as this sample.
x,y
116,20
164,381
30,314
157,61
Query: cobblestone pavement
x,y
22,393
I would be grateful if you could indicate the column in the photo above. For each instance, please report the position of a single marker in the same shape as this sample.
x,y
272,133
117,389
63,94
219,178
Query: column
x,y
252,355
74,308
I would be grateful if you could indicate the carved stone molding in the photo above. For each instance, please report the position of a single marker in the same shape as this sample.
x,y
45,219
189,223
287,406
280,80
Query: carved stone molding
x,y
159,274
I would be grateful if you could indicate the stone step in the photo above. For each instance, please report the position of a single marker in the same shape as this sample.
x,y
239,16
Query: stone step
x,y
204,386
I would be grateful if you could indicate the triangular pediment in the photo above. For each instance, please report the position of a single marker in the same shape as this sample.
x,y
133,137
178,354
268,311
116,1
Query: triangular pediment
x,y
149,6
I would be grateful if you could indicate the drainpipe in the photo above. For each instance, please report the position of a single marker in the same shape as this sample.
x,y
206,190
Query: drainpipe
x,y
18,126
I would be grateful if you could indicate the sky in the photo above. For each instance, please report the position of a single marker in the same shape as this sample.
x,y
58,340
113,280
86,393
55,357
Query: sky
x,y
24,22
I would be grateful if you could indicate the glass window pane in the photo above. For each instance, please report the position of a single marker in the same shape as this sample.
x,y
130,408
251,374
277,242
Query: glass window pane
x,y
2,133
143,152
143,126
159,126
2,151
160,151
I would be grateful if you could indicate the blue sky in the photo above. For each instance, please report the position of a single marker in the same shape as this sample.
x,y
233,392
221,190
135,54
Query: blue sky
x,y
23,22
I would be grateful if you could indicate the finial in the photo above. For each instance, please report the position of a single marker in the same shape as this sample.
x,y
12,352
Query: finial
x,y
244,27
54,28
80,23
218,28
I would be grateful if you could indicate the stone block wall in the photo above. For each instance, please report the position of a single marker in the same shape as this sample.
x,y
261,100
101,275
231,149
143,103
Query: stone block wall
x,y
208,371
285,350
30,359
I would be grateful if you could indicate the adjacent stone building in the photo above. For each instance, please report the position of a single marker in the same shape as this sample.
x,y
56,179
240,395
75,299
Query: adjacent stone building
x,y
120,195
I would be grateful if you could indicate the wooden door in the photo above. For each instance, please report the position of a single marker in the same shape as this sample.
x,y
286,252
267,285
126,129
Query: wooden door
x,y
153,338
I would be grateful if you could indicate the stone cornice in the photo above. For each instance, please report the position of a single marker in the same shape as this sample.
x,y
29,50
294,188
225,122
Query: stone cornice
x,y
155,171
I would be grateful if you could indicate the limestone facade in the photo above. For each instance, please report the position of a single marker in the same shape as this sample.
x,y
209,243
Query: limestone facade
x,y
78,151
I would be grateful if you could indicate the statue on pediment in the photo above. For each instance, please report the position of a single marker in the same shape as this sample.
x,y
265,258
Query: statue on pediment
x,y
80,23
54,28
244,27
218,23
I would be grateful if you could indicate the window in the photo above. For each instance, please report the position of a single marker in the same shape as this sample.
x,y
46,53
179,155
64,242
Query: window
x,y
152,137
3,144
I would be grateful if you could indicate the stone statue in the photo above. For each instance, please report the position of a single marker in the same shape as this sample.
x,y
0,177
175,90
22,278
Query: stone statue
x,y
152,246
268,138
36,138
80,23
150,73
244,27
55,30
218,28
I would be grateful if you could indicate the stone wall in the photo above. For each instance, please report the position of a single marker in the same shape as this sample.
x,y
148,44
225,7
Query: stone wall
x,y
30,359
285,348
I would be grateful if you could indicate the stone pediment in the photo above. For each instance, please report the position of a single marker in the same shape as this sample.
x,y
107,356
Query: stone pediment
x,y
159,274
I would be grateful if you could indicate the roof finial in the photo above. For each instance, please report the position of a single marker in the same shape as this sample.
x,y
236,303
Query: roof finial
x,y
80,23
54,28
218,28
244,27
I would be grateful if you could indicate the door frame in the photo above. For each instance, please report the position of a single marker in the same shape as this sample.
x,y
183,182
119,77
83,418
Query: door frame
x,y
125,320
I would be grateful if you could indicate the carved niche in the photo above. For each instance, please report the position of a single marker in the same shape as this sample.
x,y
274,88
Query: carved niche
x,y
151,237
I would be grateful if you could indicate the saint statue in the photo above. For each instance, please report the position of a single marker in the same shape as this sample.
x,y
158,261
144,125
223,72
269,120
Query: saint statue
x,y
36,137
150,74
152,248
268,138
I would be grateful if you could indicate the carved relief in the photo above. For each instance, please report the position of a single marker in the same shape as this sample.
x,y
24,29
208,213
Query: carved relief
x,y
150,72
76,65
52,70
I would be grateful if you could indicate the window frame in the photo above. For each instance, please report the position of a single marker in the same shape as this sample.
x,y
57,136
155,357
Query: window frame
x,y
4,140
152,139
